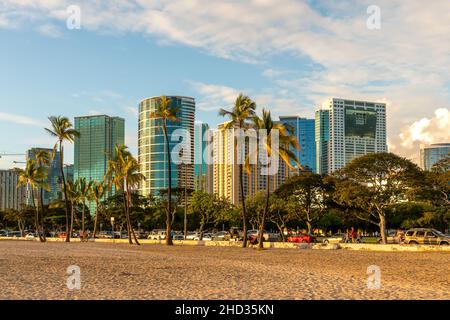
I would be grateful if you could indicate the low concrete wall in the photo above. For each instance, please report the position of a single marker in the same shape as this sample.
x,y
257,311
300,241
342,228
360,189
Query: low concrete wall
x,y
275,245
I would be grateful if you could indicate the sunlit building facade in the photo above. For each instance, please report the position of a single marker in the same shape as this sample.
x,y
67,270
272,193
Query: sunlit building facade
x,y
152,151
431,154
11,197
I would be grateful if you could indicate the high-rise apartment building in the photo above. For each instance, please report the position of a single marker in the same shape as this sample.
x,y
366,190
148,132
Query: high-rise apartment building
x,y
304,131
203,178
11,197
226,168
431,154
99,136
152,151
54,178
348,129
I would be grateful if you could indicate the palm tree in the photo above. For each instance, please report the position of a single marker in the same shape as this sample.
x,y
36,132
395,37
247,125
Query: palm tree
x,y
62,129
43,159
98,191
165,111
286,141
84,189
33,177
123,173
243,110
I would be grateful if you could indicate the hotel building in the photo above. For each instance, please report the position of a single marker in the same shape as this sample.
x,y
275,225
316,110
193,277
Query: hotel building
x,y
11,197
431,154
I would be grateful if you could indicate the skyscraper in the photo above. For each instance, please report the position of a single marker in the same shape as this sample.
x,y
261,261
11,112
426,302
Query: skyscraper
x,y
348,129
431,154
152,152
54,178
202,170
304,131
11,197
226,169
96,146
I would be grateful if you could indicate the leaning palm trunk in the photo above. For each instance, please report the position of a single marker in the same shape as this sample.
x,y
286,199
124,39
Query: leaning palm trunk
x,y
41,195
95,220
66,200
125,205
129,205
169,241
36,208
83,213
263,218
244,212
72,213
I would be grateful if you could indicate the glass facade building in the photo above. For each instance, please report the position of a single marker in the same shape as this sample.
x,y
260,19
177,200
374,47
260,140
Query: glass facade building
x,y
304,130
202,171
430,155
96,146
54,178
348,129
152,151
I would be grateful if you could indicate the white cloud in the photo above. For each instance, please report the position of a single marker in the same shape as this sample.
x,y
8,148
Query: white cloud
x,y
20,119
50,30
405,63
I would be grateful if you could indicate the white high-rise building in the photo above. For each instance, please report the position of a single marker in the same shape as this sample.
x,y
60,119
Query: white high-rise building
x,y
348,129
11,196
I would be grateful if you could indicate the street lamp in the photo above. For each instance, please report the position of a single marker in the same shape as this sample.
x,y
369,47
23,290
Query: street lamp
x,y
112,225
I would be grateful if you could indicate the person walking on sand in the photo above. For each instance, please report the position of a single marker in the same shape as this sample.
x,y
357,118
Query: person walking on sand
x,y
353,234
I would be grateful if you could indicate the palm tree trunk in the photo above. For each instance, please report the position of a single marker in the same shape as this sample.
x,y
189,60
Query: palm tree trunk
x,y
129,204
127,218
169,241
244,213
36,208
72,213
42,213
83,212
61,167
96,218
265,214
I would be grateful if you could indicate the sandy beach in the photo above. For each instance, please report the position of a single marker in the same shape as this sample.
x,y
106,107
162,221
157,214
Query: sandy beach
x,y
31,270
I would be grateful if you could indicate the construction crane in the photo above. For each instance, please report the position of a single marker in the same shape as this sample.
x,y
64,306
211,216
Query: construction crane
x,y
10,155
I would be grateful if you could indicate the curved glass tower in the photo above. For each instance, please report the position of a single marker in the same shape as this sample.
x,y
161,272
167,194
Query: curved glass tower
x,y
152,155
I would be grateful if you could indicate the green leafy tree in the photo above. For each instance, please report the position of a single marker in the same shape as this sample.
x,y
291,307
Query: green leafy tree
x,y
372,183
98,190
84,188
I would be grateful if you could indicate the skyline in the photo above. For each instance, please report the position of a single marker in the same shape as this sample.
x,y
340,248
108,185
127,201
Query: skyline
x,y
134,49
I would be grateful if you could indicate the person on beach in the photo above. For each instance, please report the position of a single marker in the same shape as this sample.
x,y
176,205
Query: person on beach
x,y
353,234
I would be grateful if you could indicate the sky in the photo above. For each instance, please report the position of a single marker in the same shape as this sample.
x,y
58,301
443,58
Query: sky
x,y
288,56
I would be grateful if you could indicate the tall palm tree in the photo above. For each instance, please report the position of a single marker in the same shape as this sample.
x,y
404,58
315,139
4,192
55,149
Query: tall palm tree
x,y
43,159
286,142
33,177
63,130
98,191
84,188
165,112
243,110
123,173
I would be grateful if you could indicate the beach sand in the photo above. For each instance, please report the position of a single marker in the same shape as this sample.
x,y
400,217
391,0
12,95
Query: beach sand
x,y
31,270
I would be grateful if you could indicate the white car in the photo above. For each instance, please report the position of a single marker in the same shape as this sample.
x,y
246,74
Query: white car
x,y
30,236
206,237
192,235
157,235
178,237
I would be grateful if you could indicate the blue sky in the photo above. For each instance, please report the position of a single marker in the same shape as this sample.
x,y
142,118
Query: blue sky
x,y
287,55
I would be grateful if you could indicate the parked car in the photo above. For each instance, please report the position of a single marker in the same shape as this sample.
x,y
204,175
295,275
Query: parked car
x,y
3,233
192,235
392,237
301,238
335,238
178,237
157,234
206,237
30,236
14,234
426,236
221,236
105,235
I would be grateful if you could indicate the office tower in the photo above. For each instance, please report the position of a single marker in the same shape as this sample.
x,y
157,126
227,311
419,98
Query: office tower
x,y
304,131
226,169
68,172
54,179
431,154
322,139
152,148
347,129
203,178
11,197
99,136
